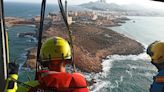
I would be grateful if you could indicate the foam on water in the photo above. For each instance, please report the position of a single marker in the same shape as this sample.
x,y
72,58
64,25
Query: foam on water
x,y
146,74
138,67
129,73
31,39
142,56
108,65
96,88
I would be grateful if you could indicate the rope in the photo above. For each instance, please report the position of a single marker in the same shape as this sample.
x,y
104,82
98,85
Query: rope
x,y
3,32
40,33
69,32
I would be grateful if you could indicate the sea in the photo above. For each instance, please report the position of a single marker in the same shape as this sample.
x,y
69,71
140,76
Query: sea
x,y
19,47
130,73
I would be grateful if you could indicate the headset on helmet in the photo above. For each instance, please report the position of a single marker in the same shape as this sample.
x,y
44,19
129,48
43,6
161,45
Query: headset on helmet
x,y
55,48
156,52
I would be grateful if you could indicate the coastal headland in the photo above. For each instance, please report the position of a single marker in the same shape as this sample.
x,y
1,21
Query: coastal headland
x,y
12,21
91,40
91,45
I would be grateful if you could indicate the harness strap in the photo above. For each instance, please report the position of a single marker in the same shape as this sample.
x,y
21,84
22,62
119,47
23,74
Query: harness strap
x,y
60,89
22,84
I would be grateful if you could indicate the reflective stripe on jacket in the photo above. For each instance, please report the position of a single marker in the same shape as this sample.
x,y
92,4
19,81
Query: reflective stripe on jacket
x,y
11,85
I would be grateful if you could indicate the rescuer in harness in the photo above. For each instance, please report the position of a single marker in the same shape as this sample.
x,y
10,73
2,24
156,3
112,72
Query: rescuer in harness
x,y
55,54
156,52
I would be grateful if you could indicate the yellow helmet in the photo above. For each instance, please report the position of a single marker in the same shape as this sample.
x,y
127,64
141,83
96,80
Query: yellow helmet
x,y
156,52
55,48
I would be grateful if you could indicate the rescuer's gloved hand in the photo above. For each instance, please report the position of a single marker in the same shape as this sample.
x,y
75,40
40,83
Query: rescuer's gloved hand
x,y
13,68
11,84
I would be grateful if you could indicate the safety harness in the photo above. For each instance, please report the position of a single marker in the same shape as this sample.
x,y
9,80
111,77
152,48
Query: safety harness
x,y
70,81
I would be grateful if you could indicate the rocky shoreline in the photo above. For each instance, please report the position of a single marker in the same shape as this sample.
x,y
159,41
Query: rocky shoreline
x,y
91,45
12,21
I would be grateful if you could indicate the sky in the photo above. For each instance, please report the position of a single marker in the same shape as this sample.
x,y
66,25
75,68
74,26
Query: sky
x,y
145,3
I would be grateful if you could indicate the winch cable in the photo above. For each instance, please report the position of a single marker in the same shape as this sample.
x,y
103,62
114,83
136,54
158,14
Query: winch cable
x,y
42,14
4,53
69,32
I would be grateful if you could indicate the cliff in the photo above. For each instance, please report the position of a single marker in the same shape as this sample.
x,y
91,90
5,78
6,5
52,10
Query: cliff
x,y
91,45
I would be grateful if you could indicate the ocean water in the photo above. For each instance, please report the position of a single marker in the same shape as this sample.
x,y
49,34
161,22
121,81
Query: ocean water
x,y
132,73
18,46
27,10
143,29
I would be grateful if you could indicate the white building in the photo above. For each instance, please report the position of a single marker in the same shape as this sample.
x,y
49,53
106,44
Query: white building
x,y
69,20
94,17
103,1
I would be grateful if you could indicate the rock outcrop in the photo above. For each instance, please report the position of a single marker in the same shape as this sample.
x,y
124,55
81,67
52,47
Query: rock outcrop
x,y
11,21
91,45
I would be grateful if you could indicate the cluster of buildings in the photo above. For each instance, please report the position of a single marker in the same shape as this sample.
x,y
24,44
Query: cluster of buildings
x,y
87,17
103,18
103,1
82,17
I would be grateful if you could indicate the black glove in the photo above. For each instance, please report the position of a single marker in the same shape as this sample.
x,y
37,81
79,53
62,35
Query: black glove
x,y
13,68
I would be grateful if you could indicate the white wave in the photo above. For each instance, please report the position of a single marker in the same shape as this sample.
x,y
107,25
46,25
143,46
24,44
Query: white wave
x,y
129,72
18,34
96,87
144,67
96,76
20,59
149,74
116,83
32,39
142,56
132,66
121,78
108,64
